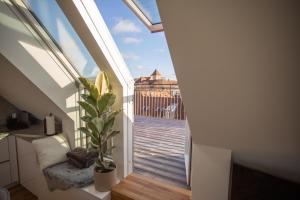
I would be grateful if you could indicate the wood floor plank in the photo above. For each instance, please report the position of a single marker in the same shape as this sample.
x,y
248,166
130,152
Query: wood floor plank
x,y
161,161
159,149
137,187
178,169
20,193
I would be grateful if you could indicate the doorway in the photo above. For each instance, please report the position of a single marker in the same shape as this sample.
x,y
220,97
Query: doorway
x,y
161,142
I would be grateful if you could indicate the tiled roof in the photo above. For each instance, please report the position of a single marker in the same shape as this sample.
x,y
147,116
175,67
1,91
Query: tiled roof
x,y
155,73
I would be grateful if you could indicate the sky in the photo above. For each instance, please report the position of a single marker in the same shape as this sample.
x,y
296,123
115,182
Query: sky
x,y
142,50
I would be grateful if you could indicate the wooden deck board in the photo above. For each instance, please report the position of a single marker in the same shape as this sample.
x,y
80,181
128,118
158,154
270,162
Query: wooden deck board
x,y
137,187
159,149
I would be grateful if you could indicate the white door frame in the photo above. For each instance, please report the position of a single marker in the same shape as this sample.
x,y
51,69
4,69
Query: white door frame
x,y
91,28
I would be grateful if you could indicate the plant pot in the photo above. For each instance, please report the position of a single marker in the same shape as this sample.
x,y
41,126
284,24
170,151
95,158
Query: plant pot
x,y
105,181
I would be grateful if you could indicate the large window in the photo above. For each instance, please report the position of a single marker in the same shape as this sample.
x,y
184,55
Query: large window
x,y
55,23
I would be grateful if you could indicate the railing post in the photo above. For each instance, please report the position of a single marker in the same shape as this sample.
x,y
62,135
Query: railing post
x,y
159,101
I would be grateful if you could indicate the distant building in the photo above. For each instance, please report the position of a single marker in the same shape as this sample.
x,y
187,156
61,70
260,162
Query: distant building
x,y
154,79
156,96
156,85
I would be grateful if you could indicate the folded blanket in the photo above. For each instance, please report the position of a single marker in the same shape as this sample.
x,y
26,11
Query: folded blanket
x,y
79,157
80,165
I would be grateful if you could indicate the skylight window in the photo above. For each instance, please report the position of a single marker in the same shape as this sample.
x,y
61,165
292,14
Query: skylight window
x,y
147,11
56,24
150,10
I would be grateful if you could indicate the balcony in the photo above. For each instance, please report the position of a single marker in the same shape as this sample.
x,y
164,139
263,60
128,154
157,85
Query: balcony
x,y
159,101
159,133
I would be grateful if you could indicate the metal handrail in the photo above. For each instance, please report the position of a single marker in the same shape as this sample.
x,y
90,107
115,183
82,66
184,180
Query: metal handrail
x,y
159,100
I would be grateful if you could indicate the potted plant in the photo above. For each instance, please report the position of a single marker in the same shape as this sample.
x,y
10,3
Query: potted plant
x,y
99,122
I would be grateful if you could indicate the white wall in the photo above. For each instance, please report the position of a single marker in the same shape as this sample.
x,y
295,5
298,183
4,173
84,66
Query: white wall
x,y
22,93
210,173
22,47
237,63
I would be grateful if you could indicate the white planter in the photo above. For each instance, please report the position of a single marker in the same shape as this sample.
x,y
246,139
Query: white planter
x,y
105,181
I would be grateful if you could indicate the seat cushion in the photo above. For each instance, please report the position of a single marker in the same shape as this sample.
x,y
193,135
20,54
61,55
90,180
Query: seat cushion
x,y
51,150
64,175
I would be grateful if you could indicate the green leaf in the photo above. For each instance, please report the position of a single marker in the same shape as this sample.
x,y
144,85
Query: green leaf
x,y
84,130
109,165
89,99
107,81
94,140
90,87
86,118
112,99
112,134
94,146
88,108
99,165
109,151
84,96
93,127
105,101
112,115
94,137
86,83
94,92
96,124
108,125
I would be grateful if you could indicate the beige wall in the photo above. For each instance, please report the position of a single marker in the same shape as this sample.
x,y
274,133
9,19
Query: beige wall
x,y
237,63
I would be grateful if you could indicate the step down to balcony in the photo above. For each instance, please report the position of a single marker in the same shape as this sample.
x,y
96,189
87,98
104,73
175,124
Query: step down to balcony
x,y
137,187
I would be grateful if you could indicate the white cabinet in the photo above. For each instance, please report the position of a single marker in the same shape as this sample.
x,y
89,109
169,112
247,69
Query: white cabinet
x,y
13,161
28,165
4,163
4,152
4,174
8,161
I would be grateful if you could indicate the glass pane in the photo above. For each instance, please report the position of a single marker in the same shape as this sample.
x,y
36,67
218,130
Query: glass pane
x,y
52,18
150,10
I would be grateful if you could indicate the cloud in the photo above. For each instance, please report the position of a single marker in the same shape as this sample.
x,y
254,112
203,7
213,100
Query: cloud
x,y
130,56
131,40
160,50
125,26
141,67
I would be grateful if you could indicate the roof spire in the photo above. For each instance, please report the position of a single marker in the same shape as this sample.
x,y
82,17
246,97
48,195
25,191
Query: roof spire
x,y
156,73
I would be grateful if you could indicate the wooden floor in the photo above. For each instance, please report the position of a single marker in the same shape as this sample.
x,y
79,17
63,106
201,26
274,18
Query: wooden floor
x,y
137,187
159,149
20,193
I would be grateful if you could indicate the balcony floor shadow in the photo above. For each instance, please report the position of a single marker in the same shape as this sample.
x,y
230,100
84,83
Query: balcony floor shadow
x,y
159,149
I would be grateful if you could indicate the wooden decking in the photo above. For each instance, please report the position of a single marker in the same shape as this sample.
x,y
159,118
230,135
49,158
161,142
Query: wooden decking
x,y
159,149
137,187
